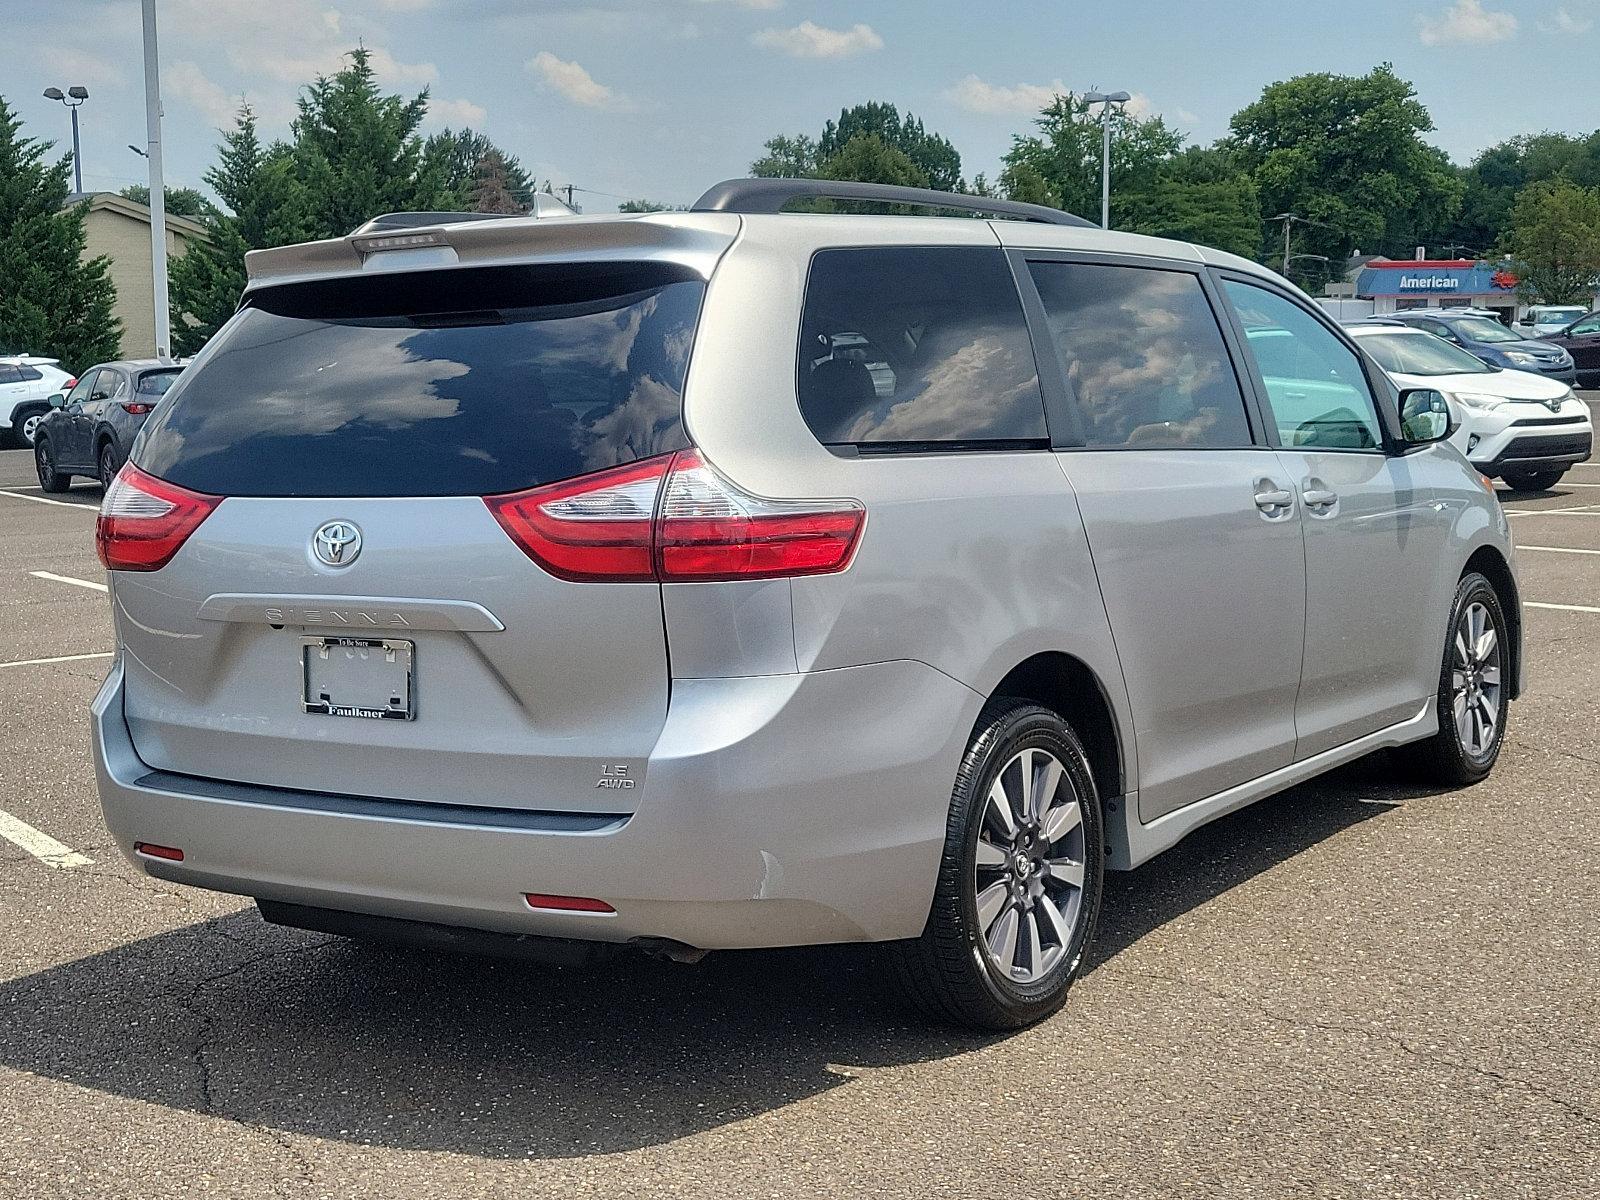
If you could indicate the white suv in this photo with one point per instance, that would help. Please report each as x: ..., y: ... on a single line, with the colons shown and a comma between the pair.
x: 26, y: 385
x: 1514, y: 425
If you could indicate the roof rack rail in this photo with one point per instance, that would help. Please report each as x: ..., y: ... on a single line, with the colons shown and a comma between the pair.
x: 770, y: 196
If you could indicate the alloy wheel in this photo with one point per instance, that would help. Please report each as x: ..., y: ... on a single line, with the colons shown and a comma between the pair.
x: 1475, y: 680
x: 1029, y: 867
x: 30, y: 426
x: 108, y: 468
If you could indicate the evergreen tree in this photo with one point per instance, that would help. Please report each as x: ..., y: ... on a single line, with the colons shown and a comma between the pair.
x: 931, y: 158
x: 51, y: 301
x: 181, y: 202
x: 455, y: 157
x: 491, y: 190
x: 358, y: 154
x: 264, y: 206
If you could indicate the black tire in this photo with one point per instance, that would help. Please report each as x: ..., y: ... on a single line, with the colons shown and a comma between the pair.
x: 44, y: 461
x: 1445, y: 758
x: 1535, y: 481
x: 950, y: 972
x: 107, y: 465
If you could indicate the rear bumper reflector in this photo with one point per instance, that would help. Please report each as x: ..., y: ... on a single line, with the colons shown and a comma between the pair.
x: 151, y: 850
x: 567, y: 903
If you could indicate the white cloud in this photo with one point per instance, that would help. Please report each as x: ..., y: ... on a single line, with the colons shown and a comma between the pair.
x: 455, y: 113
x: 576, y: 84
x: 82, y: 66
x: 1141, y: 106
x: 1467, y: 21
x: 975, y: 95
x: 1567, y: 21
x: 392, y: 71
x: 186, y: 81
x: 810, y: 40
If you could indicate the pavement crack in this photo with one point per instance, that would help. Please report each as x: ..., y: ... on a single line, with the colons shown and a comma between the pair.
x: 1368, y: 1033
x: 199, y: 1049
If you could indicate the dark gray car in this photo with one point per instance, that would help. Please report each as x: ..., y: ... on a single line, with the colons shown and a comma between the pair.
x: 1493, y: 342
x: 90, y: 429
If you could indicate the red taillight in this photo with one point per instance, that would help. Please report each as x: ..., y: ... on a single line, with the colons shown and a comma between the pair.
x: 135, y: 408
x: 144, y: 521
x: 674, y: 519
x: 71, y: 383
x: 596, y: 527
x: 151, y: 850
x: 567, y: 903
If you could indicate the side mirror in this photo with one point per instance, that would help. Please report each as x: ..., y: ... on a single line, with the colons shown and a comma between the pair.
x: 58, y: 400
x: 1424, y: 416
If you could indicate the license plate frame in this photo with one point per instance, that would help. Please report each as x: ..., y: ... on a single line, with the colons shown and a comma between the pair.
x: 372, y: 679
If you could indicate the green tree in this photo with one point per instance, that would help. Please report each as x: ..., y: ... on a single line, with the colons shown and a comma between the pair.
x: 1555, y: 242
x: 358, y: 154
x: 51, y: 301
x: 1060, y: 165
x: 645, y: 206
x: 1199, y: 196
x: 1348, y: 151
x: 491, y: 187
x: 454, y: 158
x: 264, y: 205
x: 933, y: 159
x: 181, y: 201
x: 933, y: 155
x: 1498, y: 174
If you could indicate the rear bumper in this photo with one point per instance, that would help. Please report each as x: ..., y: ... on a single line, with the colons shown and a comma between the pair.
x: 776, y: 810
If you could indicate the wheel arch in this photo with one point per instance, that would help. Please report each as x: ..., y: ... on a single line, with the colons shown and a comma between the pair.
x: 1492, y: 565
x: 1069, y: 686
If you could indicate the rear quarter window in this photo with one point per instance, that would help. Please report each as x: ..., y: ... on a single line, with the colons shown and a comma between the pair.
x: 917, y: 348
x: 464, y: 382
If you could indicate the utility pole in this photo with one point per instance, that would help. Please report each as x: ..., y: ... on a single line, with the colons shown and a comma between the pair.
x: 158, y: 184
x: 569, y: 195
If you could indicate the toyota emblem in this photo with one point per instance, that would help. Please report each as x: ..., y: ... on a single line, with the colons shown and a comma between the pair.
x: 336, y: 544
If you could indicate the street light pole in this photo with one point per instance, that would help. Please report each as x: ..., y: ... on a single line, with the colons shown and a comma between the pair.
x: 73, y: 98
x: 1107, y: 99
x: 158, y: 186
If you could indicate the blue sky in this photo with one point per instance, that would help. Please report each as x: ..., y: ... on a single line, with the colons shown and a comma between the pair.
x: 660, y: 98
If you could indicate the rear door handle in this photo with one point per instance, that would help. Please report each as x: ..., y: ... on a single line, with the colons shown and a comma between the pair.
x: 1319, y: 497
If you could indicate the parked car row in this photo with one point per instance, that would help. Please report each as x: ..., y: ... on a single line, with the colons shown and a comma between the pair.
x: 90, y: 429
x: 26, y: 384
x: 1521, y: 426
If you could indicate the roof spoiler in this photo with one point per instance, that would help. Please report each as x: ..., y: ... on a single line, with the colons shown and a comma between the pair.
x: 544, y: 205
x: 771, y: 195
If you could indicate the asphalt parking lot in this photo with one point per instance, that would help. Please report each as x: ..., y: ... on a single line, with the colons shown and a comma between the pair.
x: 1354, y: 989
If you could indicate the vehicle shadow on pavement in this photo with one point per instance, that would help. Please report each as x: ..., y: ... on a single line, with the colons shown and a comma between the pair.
x: 310, y: 1035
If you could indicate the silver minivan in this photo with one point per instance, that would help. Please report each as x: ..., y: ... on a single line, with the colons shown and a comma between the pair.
x: 741, y: 578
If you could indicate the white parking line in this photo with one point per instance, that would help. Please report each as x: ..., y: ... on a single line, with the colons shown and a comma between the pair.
x: 1561, y: 607
x: 41, y: 500
x: 1577, y: 510
x: 83, y: 583
x: 1558, y: 550
x: 41, y: 845
x: 64, y: 658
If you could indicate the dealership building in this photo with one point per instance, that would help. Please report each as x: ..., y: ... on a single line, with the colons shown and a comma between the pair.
x: 1395, y: 286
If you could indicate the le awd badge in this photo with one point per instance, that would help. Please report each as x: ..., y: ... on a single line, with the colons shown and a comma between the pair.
x: 615, y: 777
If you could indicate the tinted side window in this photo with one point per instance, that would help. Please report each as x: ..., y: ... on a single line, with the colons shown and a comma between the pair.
x: 80, y: 393
x: 1144, y: 355
x: 466, y: 382
x: 917, y: 346
x: 1315, y: 386
x: 29, y: 373
x: 10, y: 374
x: 156, y: 383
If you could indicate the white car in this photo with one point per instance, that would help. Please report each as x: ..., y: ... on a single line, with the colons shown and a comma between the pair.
x: 26, y: 385
x: 1514, y: 425
x: 1544, y: 319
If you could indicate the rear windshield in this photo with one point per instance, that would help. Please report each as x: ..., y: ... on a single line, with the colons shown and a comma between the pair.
x: 455, y: 383
x: 156, y: 383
